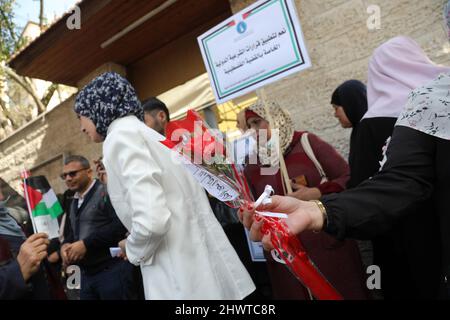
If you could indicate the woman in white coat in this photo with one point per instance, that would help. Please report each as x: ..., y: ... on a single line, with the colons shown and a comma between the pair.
x: 174, y: 236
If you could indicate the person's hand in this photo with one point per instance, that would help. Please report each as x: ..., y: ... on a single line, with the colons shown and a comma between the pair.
x: 64, y: 251
x: 246, y: 213
x: 251, y: 221
x: 102, y: 177
x: 302, y: 215
x: 54, y: 257
x: 100, y: 171
x: 304, y: 193
x: 122, y: 245
x: 31, y: 254
x: 76, y: 251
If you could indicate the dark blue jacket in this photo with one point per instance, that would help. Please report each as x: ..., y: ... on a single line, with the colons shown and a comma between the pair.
x: 12, y: 284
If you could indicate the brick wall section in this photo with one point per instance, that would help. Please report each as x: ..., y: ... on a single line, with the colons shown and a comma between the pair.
x: 55, y: 133
x: 340, y: 45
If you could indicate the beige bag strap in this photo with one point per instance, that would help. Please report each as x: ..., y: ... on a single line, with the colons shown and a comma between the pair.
x: 310, y: 153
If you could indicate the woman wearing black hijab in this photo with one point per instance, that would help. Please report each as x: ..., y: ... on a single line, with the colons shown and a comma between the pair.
x: 350, y: 103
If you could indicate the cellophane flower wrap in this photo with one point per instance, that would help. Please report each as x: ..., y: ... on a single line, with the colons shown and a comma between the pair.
x: 290, y: 249
x: 205, y: 151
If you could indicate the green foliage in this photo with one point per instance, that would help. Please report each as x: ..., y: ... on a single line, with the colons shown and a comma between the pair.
x: 19, y: 101
x: 8, y: 31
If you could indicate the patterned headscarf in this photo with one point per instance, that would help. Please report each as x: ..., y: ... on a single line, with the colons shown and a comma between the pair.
x: 428, y: 108
x: 107, y: 98
x: 281, y: 121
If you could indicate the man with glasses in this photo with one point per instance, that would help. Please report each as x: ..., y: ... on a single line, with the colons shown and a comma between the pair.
x: 91, y: 228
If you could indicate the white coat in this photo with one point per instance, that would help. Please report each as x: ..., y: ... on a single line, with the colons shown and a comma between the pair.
x: 174, y: 236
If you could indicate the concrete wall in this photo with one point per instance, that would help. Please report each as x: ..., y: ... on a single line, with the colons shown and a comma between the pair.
x: 340, y: 45
x: 39, y: 146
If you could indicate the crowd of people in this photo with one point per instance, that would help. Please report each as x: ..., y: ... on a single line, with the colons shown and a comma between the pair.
x: 171, y: 241
x: 399, y: 155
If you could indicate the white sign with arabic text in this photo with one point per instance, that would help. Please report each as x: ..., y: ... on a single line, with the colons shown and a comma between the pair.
x: 257, y: 46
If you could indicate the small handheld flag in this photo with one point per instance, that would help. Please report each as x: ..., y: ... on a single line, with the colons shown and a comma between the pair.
x: 43, y: 205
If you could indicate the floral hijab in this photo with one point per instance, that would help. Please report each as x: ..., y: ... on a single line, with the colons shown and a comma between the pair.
x: 282, y: 121
x: 107, y: 98
x: 428, y: 108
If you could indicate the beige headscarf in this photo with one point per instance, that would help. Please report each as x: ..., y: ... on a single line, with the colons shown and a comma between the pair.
x: 281, y: 121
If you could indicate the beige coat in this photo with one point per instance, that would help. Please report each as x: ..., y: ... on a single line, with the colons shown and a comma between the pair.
x: 174, y: 236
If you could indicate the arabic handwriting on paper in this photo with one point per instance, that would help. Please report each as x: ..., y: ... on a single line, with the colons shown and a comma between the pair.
x: 225, y: 195
x: 213, y: 184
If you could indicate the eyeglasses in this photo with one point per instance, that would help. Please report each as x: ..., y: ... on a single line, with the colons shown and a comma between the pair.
x: 72, y: 174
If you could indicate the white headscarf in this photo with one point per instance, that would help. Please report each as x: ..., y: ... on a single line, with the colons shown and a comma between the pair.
x: 428, y: 108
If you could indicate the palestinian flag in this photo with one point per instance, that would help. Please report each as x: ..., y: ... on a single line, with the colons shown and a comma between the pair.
x: 42, y: 199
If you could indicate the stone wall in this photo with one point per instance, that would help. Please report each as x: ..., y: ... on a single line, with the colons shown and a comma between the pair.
x: 340, y: 44
x: 40, y: 146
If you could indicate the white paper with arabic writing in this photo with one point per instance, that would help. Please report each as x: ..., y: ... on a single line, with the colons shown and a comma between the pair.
x: 215, y: 186
x: 259, y: 45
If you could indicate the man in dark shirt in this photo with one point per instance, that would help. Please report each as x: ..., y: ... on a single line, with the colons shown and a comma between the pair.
x: 91, y: 229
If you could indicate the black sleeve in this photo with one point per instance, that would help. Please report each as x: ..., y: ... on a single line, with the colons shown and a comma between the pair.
x: 68, y: 232
x: 369, y: 141
x: 53, y: 246
x: 12, y: 284
x: 375, y: 205
x: 108, y: 235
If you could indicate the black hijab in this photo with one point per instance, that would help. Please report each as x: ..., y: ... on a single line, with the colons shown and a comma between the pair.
x: 352, y: 97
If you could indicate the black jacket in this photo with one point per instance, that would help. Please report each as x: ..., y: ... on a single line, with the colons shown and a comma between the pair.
x: 97, y: 224
x: 366, y: 148
x: 417, y: 171
x: 12, y: 284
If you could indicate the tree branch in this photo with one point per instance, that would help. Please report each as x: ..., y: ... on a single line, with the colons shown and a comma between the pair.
x: 49, y: 94
x: 6, y: 113
x: 14, y: 76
